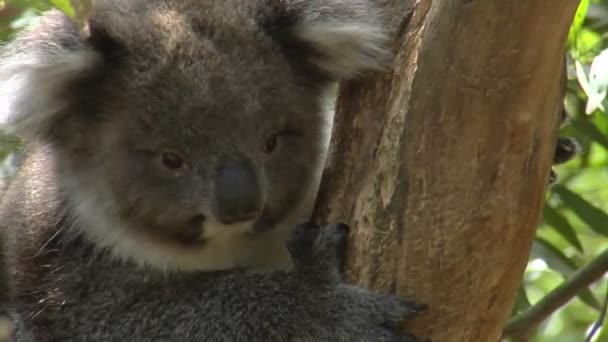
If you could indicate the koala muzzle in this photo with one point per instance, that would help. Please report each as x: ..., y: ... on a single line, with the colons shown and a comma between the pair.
x: 237, y: 194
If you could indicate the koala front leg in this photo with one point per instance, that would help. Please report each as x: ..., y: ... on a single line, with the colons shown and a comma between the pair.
x: 312, y: 303
x: 372, y: 316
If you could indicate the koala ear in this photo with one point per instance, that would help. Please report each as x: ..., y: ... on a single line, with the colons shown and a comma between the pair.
x: 345, y: 37
x: 36, y: 70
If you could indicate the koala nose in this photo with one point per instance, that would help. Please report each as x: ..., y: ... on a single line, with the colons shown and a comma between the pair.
x: 237, y: 193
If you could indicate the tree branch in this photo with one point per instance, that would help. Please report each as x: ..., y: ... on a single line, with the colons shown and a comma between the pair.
x: 600, y: 320
x: 523, y: 324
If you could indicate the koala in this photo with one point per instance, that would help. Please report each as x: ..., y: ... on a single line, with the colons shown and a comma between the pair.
x: 186, y: 155
x: 169, y: 151
x: 565, y: 150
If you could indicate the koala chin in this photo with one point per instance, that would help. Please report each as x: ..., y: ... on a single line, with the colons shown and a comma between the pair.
x: 209, y: 241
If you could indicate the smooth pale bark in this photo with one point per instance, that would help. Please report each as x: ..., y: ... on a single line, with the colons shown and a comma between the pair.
x: 440, y: 165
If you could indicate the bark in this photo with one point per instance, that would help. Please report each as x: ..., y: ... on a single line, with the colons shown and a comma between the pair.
x: 441, y: 164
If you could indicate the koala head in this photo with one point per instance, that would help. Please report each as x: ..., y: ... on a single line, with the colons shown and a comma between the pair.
x: 177, y: 124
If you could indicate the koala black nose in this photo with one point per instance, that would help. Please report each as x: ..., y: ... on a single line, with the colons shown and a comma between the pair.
x: 237, y: 194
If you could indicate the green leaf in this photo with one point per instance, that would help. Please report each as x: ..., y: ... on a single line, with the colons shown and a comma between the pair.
x: 64, y: 6
x: 594, y: 217
x: 562, y: 226
x: 553, y: 257
x: 591, y: 131
x: 577, y: 23
x: 587, y: 44
x: 587, y: 297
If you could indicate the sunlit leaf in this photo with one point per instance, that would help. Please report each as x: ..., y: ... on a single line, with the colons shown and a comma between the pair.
x: 27, y: 18
x: 587, y: 44
x: 595, y: 218
x: 562, y: 226
x: 577, y: 23
x: 64, y: 6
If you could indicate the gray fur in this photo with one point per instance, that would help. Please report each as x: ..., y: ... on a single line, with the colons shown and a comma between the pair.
x: 95, y: 226
x: 235, y: 86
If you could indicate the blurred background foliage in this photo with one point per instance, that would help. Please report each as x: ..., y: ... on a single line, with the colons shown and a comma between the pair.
x: 574, y: 229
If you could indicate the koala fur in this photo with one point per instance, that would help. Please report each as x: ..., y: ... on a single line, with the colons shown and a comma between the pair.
x: 208, y: 80
x: 565, y: 150
x: 177, y: 143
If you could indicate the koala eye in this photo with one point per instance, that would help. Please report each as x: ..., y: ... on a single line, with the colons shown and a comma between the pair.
x: 173, y: 161
x: 270, y: 143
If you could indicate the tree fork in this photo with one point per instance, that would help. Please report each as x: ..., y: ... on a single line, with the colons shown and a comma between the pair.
x: 441, y: 164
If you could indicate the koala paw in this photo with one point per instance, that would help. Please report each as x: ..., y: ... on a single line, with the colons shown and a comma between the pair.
x: 376, y: 316
x: 351, y: 312
x: 320, y: 250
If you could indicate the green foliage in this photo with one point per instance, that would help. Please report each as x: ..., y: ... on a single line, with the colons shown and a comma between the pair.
x: 577, y: 23
x: 65, y: 6
x: 18, y: 14
x: 575, y: 222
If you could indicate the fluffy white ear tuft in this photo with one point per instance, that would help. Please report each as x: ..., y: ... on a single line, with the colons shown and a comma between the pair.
x: 347, y: 37
x: 32, y: 85
x: 345, y: 50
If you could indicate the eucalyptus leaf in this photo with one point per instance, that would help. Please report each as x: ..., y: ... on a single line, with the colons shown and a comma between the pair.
x: 577, y: 23
x: 562, y: 226
x: 64, y: 6
x: 594, y: 217
x: 591, y: 131
x: 553, y: 257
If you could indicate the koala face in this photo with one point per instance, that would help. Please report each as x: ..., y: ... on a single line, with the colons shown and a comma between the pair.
x: 194, y: 134
x: 184, y: 129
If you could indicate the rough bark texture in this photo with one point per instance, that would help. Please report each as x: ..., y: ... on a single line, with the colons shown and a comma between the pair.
x: 441, y: 165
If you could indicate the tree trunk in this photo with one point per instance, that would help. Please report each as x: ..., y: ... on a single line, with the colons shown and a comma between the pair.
x: 441, y: 165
